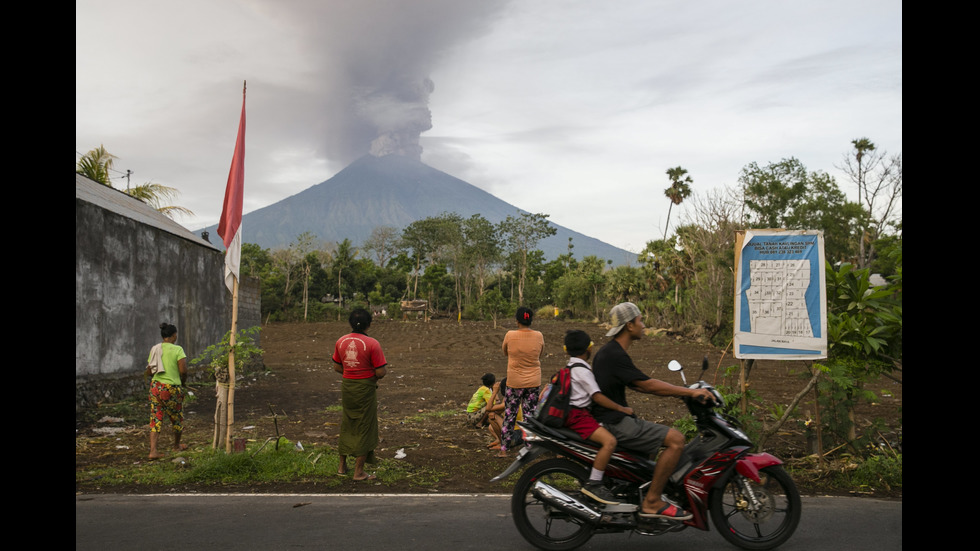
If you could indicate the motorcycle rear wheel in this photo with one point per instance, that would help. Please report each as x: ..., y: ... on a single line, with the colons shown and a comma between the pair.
x: 541, y: 524
x: 764, y: 522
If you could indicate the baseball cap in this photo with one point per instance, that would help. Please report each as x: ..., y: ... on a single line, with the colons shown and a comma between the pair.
x: 620, y: 315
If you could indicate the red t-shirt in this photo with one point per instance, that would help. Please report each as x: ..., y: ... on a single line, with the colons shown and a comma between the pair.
x: 359, y: 354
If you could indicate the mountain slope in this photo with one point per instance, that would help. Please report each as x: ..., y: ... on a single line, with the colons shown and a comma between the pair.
x: 393, y: 191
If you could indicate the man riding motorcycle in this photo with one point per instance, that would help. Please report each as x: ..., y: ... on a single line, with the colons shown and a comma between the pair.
x: 614, y: 371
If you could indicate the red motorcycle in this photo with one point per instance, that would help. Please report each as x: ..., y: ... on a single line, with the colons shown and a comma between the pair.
x: 753, y: 503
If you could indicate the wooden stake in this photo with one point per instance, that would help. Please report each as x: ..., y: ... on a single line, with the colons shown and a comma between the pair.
x: 230, y: 419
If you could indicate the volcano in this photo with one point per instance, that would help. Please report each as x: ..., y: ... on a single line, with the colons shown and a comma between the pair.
x: 394, y: 190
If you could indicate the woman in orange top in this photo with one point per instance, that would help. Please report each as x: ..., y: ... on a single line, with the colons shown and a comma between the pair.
x: 523, y: 348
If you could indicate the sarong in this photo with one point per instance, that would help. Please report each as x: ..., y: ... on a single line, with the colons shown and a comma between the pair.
x: 359, y: 425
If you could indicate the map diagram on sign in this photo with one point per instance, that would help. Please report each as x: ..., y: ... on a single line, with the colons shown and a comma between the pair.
x: 776, y: 297
x: 780, y: 295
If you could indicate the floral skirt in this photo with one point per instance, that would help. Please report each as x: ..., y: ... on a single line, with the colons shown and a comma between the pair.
x: 166, y: 400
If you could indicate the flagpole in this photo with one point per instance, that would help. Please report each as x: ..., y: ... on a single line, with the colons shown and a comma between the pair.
x: 230, y: 230
x: 230, y: 419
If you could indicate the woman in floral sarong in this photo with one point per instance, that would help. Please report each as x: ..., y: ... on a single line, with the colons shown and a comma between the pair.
x: 360, y: 360
x: 167, y: 364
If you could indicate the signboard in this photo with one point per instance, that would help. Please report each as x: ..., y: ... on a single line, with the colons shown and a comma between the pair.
x: 780, y: 295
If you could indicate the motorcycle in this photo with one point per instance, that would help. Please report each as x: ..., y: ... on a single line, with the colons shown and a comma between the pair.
x: 753, y: 502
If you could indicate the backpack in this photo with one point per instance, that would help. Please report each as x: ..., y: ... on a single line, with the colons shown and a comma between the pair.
x: 555, y: 401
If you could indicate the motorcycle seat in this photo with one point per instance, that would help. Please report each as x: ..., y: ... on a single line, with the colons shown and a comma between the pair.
x: 569, y: 434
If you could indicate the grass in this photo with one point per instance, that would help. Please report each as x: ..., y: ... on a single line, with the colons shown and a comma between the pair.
x: 260, y: 463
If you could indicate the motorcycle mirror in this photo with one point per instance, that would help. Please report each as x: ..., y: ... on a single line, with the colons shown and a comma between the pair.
x: 704, y: 365
x: 675, y: 365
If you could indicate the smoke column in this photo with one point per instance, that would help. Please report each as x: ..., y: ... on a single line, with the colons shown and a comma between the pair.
x: 371, y: 65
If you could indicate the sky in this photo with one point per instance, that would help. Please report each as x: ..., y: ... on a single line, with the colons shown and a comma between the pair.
x: 571, y: 108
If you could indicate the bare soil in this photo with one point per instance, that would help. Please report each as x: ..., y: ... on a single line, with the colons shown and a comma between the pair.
x: 434, y: 367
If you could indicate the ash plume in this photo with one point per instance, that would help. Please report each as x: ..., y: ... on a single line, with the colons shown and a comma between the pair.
x: 370, y: 73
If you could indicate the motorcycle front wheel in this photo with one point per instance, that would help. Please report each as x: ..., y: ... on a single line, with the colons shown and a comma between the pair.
x: 755, y: 515
x: 541, y: 524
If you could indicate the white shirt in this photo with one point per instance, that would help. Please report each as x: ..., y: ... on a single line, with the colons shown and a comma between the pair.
x: 583, y: 383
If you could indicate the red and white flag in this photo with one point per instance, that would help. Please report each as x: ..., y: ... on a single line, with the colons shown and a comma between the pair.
x: 230, y: 226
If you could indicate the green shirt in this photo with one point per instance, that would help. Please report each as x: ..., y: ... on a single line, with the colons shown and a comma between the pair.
x: 480, y: 397
x: 170, y: 355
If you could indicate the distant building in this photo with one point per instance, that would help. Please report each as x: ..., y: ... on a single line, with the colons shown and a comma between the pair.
x: 136, y: 268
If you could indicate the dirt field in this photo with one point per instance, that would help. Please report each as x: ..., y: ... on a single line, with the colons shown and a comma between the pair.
x: 434, y: 367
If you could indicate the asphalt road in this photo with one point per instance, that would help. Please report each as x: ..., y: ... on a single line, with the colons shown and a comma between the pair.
x: 437, y: 522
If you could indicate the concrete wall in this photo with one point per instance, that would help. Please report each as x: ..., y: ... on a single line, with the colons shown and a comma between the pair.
x: 129, y: 277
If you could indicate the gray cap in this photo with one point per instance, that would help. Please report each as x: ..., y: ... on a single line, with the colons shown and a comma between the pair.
x: 620, y: 315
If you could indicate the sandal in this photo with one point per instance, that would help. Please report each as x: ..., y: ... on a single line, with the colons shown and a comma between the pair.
x: 668, y: 511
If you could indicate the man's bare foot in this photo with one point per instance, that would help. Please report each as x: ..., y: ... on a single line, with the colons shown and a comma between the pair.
x: 156, y: 455
x: 365, y: 476
x: 180, y: 447
x: 494, y: 445
x: 342, y: 469
x: 502, y: 453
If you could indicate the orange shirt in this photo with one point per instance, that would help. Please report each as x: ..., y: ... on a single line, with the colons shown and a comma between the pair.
x: 523, y: 348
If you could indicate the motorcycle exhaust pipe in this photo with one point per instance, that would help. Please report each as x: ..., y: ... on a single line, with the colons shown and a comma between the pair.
x: 566, y: 503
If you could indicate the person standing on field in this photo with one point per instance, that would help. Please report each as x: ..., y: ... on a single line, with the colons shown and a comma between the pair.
x: 523, y: 348
x: 360, y: 360
x: 167, y: 363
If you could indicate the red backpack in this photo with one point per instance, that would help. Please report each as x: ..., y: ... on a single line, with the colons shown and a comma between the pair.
x: 556, y: 399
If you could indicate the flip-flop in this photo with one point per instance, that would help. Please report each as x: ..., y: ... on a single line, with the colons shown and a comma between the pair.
x: 668, y: 511
x: 368, y: 477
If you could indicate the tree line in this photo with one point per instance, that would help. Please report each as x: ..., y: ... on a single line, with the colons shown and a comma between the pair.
x: 470, y: 268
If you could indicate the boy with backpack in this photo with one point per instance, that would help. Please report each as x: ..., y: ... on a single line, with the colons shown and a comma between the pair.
x: 585, y: 391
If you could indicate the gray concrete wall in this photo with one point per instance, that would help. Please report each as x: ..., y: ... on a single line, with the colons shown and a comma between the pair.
x: 130, y: 277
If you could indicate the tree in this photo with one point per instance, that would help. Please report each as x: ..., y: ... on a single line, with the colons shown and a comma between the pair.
x: 95, y: 165
x: 773, y: 192
x: 383, y: 242
x: 592, y: 270
x: 421, y: 238
x: 521, y: 235
x: 878, y: 178
x: 492, y: 303
x: 305, y: 249
x: 155, y: 195
x: 482, y: 249
x: 864, y: 337
x: 343, y: 258
x: 679, y: 190
x: 284, y: 262
x: 786, y: 195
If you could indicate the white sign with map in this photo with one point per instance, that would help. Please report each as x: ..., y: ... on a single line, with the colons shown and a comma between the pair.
x: 780, y: 295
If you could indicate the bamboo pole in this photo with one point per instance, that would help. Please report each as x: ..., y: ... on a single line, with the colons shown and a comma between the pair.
x: 230, y: 419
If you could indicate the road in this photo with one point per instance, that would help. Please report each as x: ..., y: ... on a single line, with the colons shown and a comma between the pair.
x: 437, y: 522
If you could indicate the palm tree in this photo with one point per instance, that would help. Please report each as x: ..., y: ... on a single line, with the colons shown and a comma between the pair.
x: 154, y: 194
x: 861, y: 146
x: 678, y: 191
x: 96, y: 165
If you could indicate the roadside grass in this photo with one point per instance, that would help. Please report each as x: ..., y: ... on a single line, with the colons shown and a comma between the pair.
x: 260, y: 463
